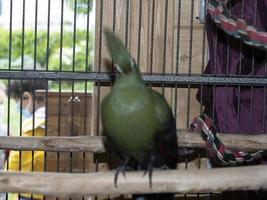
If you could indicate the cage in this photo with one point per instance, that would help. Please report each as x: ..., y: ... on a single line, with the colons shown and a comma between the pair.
x: 203, y: 56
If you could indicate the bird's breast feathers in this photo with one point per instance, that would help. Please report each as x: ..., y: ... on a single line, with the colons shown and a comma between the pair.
x: 129, y: 100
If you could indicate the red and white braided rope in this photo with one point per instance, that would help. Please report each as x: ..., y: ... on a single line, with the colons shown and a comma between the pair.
x: 216, y: 149
x: 235, y: 26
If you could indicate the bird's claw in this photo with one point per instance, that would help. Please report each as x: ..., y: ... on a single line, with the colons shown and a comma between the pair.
x: 149, y: 171
x: 121, y: 169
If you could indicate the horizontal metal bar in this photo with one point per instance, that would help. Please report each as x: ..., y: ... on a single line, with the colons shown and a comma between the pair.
x: 168, y: 79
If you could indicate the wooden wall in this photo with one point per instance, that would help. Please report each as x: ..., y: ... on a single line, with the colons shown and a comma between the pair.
x: 69, y: 114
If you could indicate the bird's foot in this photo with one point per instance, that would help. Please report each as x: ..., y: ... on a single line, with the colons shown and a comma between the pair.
x: 149, y: 170
x: 121, y: 169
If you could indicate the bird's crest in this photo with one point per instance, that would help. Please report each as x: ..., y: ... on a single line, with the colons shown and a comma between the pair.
x: 118, y: 52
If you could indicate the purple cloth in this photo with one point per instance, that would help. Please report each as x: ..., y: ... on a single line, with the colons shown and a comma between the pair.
x: 236, y: 110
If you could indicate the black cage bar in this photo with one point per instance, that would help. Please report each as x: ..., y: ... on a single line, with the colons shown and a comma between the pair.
x: 61, y: 42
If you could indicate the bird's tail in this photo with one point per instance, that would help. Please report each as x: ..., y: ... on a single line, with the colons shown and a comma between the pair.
x: 118, y: 52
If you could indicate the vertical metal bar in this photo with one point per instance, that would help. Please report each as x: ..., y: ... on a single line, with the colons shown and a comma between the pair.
x: 126, y: 23
x: 8, y: 83
x: 87, y: 35
x: 264, y: 110
x: 20, y: 129
x: 58, y: 124
x: 114, y: 16
x: 86, y: 65
x: 109, y: 155
x: 201, y: 98
x: 35, y: 34
x: 203, y: 43
x: 188, y: 104
x: 8, y: 116
x: 33, y: 120
x: 228, y: 51
x: 61, y: 35
x: 165, y: 37
x: 97, y: 84
x: 226, y: 111
x: 241, y: 43
x: 226, y: 87
x: 74, y: 36
x: 23, y: 34
x: 72, y: 133
x: 215, y: 51
x: 190, y: 62
x: 253, y: 48
x: 10, y: 35
x: 152, y: 36
x: 99, y: 67
x: 98, y: 107
x: 72, y: 102
x: 165, y: 43
x: 199, y: 166
x: 48, y: 35
x: 175, y: 111
x: 100, y: 41
x: 177, y: 60
x: 191, y: 37
x: 60, y: 83
x: 238, y: 109
x: 214, y: 101
x: 201, y: 86
x: 251, y: 109
x: 228, y: 56
x: 47, y: 68
x: 178, y: 37
x: 85, y: 121
x: 46, y: 122
x: 252, y: 71
x: 139, y: 32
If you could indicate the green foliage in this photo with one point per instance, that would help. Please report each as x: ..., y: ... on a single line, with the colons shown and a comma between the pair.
x: 52, y: 58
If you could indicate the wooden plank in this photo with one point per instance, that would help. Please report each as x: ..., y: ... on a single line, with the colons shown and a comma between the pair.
x: 94, y: 143
x: 101, y: 183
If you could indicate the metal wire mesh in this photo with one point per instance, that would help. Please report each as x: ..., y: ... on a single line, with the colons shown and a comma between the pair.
x: 167, y: 42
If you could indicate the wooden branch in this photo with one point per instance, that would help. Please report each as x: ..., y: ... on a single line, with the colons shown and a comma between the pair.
x: 57, y: 144
x: 102, y: 183
x: 95, y: 144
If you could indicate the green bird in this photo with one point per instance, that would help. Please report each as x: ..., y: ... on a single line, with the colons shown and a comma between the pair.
x: 137, y: 121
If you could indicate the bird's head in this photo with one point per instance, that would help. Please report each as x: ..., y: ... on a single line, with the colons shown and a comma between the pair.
x: 121, y: 57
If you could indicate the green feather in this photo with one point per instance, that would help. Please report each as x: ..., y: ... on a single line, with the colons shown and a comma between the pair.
x: 119, y: 54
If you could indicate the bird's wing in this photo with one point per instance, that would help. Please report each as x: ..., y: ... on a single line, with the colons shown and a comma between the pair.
x: 165, y: 138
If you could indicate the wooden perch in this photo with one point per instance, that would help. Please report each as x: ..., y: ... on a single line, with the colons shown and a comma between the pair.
x: 102, y: 183
x: 95, y: 144
x: 57, y: 144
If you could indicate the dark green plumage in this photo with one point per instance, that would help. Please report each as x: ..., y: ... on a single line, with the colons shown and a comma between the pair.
x: 137, y: 121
